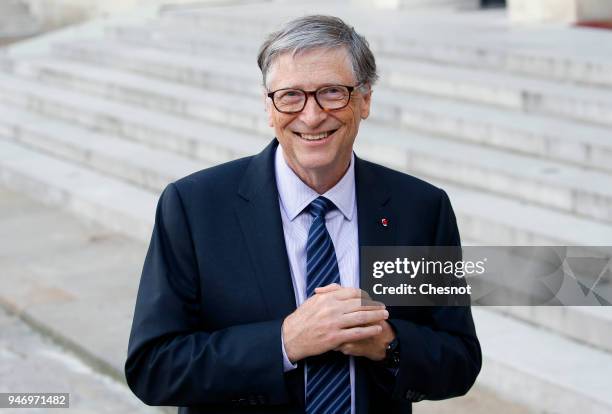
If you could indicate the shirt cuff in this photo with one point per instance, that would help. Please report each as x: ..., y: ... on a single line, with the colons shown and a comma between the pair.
x: 287, y: 365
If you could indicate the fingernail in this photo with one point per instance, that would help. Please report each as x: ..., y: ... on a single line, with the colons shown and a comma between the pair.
x: 386, y: 314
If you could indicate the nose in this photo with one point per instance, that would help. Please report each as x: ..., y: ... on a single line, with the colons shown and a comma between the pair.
x: 312, y: 114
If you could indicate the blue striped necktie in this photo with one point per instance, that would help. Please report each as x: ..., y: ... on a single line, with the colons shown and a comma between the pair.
x: 328, y: 385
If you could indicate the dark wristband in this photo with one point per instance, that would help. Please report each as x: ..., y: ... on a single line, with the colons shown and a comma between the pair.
x: 392, y: 354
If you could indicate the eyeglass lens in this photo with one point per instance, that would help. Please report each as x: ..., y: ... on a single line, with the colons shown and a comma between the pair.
x: 329, y: 97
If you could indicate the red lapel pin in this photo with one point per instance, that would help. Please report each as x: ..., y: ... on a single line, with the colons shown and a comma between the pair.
x: 384, y: 221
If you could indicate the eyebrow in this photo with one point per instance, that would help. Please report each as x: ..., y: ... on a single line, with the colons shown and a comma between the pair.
x: 320, y: 86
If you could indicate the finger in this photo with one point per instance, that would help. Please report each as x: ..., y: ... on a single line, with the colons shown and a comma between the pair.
x: 350, y: 293
x: 372, y: 304
x: 345, y: 348
x: 329, y: 288
x: 345, y: 293
x: 335, y: 286
x: 354, y: 305
x: 365, y: 295
x: 358, y: 333
x: 362, y: 318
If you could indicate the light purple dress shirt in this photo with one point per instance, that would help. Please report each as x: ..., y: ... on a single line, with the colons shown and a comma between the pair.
x: 341, y: 223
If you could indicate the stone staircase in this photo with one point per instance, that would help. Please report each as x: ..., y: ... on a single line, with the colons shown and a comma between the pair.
x: 515, y: 124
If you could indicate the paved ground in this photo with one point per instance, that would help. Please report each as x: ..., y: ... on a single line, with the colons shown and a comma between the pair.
x: 75, y: 284
x: 75, y: 281
x: 30, y: 362
x: 478, y: 401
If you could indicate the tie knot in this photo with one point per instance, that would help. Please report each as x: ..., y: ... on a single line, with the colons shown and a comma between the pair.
x: 320, y: 206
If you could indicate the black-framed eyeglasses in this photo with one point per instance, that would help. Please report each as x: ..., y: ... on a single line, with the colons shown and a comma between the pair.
x: 329, y: 98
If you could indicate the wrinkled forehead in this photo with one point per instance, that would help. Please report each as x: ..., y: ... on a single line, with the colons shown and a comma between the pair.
x: 311, y: 68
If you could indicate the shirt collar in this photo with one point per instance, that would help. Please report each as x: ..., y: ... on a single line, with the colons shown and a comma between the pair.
x: 295, y: 195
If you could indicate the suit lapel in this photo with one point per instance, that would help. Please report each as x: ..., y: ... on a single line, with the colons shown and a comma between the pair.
x: 373, y: 206
x: 259, y: 216
x: 258, y: 212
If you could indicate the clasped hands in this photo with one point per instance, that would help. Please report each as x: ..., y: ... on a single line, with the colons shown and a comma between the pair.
x: 337, y: 318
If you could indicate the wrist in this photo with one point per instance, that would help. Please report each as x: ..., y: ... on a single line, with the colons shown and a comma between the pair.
x: 392, y: 349
x: 289, y: 348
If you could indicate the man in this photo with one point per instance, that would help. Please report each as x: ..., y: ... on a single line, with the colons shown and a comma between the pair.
x: 249, y: 299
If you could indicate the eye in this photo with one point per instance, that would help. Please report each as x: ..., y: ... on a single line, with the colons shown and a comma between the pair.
x: 333, y: 92
x: 289, y: 95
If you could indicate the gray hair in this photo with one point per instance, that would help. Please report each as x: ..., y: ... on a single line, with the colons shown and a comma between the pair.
x: 319, y: 31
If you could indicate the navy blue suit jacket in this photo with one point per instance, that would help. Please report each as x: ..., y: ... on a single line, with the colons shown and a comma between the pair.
x: 216, y: 287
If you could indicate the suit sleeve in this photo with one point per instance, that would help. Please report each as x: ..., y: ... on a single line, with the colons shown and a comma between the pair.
x: 172, y: 360
x: 442, y: 358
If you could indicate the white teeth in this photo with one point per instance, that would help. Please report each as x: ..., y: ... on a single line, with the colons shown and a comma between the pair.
x: 315, y: 137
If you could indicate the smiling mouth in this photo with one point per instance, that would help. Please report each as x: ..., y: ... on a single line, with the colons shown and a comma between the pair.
x: 315, y: 137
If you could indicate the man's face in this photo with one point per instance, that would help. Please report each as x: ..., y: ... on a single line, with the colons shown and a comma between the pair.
x: 297, y: 133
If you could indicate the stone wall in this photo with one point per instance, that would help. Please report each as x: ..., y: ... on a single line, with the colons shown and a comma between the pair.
x: 420, y: 4
x: 21, y: 19
x: 55, y: 13
x: 16, y: 21
x: 51, y: 14
x: 569, y: 11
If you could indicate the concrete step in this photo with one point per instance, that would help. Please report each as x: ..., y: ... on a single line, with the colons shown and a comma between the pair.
x: 29, y: 360
x: 74, y: 283
x: 548, y: 184
x: 121, y: 207
x: 591, y: 325
x: 182, y: 136
x: 563, y: 187
x: 540, y: 369
x: 557, y: 52
x: 545, y: 137
x: 558, y: 139
x: 582, y: 103
x: 490, y: 219
x: 135, y: 163
x: 528, y: 57
x: 202, y: 71
x: 560, y: 53
x: 147, y: 92
x: 521, y: 224
x: 188, y: 39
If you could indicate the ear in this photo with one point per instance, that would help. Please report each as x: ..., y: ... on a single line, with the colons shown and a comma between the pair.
x: 366, y: 100
x: 267, y: 106
x: 270, y: 111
